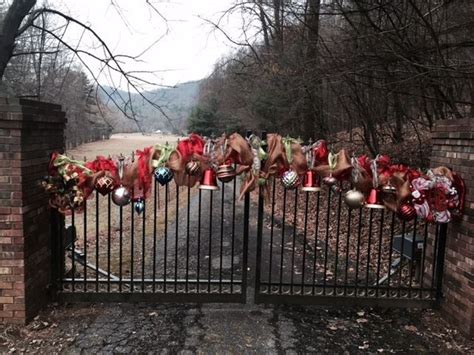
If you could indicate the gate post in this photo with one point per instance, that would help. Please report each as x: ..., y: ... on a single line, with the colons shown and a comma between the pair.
x: 29, y: 132
x: 453, y: 146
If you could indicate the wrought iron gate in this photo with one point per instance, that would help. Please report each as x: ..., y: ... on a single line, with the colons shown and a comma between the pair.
x: 313, y: 249
x: 188, y: 245
x: 191, y: 245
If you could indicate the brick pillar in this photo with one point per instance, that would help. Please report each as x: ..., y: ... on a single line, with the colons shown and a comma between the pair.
x: 453, y: 146
x: 29, y: 132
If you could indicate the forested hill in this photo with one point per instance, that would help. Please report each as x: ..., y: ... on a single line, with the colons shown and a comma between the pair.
x: 177, y: 102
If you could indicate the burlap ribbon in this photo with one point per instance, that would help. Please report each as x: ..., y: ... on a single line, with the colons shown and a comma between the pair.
x: 276, y: 163
x: 341, y: 171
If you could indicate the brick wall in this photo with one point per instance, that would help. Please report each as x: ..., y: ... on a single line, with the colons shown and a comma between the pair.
x: 453, y: 146
x: 29, y: 132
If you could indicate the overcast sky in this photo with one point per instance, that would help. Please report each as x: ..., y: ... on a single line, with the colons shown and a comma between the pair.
x: 187, y: 52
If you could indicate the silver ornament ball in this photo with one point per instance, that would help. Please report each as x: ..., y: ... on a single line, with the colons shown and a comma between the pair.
x: 290, y: 179
x: 139, y: 206
x: 329, y: 180
x: 121, y: 196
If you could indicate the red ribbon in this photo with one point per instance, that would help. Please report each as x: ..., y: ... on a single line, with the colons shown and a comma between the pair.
x: 144, y: 170
x: 194, y: 145
x: 102, y: 164
x: 52, y: 170
x: 460, y: 187
x: 364, y: 162
x: 321, y: 153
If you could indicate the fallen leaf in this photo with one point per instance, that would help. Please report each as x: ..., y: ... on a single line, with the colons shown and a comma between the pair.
x: 411, y: 328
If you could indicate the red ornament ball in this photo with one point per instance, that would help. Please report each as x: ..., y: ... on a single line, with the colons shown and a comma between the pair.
x: 406, y: 212
x: 105, y: 185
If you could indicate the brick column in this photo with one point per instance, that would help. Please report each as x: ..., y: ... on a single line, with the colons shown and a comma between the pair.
x: 29, y: 132
x: 453, y: 146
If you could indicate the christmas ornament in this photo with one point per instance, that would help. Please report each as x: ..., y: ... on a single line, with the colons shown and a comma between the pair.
x: 121, y: 196
x: 354, y: 199
x: 225, y: 172
x: 406, y: 212
x: 163, y: 175
x: 105, y: 185
x: 192, y: 167
x: 290, y: 179
x: 374, y: 199
x: 330, y: 181
x: 208, y: 181
x: 311, y: 180
x: 332, y: 161
x: 139, y: 206
x: 311, y: 183
x: 389, y: 189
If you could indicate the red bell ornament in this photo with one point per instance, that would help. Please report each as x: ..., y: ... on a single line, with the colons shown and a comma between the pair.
x: 208, y: 181
x: 406, y: 212
x: 311, y: 182
x: 374, y: 200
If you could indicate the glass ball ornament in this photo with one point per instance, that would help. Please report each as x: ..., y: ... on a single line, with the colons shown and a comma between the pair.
x: 330, y: 181
x: 290, y: 179
x: 105, y: 185
x: 389, y: 189
x: 163, y: 175
x: 192, y: 167
x: 354, y: 199
x: 225, y: 172
x: 406, y: 212
x: 121, y: 196
x: 139, y: 206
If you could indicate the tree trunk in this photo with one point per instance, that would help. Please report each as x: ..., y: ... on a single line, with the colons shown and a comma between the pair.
x: 15, y: 15
x: 315, y: 114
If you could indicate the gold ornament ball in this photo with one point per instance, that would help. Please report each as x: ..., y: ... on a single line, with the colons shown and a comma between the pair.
x: 192, y: 167
x: 354, y: 199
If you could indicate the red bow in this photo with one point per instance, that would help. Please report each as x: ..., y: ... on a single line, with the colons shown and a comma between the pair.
x: 102, y: 164
x: 52, y: 170
x: 364, y: 162
x: 190, y: 146
x: 321, y: 153
x: 144, y: 171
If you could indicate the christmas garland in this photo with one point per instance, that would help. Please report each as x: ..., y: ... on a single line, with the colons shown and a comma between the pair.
x: 435, y: 196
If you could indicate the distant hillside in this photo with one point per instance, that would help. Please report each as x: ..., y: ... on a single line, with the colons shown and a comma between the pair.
x: 177, y: 103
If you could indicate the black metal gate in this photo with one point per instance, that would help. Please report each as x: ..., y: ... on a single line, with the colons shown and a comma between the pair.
x: 188, y: 245
x: 313, y: 249
x: 192, y: 245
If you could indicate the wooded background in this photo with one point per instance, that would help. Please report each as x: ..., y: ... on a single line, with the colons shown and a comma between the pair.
x: 381, y: 70
x: 378, y: 69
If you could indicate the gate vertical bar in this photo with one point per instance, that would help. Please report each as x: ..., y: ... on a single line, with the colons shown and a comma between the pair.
x: 260, y: 226
x: 245, y: 244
